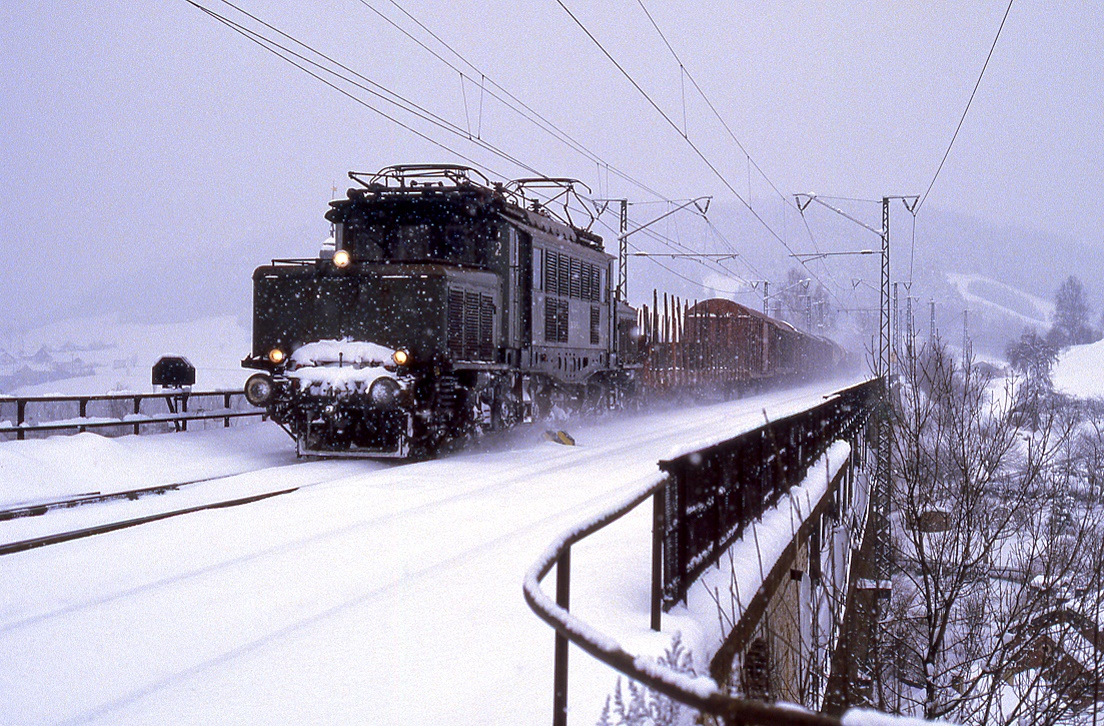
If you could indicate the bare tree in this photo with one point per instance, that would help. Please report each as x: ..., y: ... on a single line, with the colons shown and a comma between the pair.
x: 992, y: 526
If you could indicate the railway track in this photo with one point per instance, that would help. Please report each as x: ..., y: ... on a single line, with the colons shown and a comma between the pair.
x: 50, y: 539
x: 37, y: 509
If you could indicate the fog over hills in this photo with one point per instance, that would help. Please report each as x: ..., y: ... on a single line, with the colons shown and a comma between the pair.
x: 214, y: 280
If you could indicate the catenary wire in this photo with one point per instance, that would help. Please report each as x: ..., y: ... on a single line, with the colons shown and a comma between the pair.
x: 272, y: 48
x: 521, y: 108
x: 290, y: 56
x: 709, y: 102
x: 712, y: 167
x: 968, y: 103
x: 383, y: 93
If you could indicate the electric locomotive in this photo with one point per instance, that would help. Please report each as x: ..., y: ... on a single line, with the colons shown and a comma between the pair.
x: 446, y: 307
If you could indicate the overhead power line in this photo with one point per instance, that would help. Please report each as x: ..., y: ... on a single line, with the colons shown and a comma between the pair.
x: 968, y: 103
x: 505, y: 96
x: 333, y: 69
x: 350, y: 83
x: 683, y: 69
x: 701, y: 155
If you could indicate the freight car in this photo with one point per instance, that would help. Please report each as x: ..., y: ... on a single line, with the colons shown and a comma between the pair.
x: 720, y: 348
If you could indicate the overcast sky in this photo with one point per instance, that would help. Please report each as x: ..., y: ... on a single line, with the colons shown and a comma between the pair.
x: 140, y: 131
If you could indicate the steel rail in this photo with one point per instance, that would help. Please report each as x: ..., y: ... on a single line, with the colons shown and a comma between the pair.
x: 51, y: 539
x: 35, y: 509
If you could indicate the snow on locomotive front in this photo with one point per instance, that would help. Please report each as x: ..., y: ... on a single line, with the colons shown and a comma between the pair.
x: 419, y: 327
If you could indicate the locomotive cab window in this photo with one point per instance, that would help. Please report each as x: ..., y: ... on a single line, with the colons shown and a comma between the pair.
x: 420, y: 234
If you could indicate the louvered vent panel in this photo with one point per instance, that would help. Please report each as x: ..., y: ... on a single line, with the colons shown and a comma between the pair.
x: 550, y: 272
x: 456, y: 323
x: 471, y: 324
x: 486, y: 328
x: 595, y: 324
x: 562, y: 308
x: 550, y: 319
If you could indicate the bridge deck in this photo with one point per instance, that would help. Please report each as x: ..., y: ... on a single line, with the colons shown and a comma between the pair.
x: 373, y: 594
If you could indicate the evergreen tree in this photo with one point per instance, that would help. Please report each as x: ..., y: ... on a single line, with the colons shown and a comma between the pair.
x: 1033, y: 357
x: 1071, y: 315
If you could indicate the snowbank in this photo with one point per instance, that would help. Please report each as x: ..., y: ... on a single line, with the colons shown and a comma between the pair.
x: 1080, y: 371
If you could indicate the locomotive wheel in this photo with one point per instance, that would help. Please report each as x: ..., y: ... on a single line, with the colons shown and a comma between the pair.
x: 506, y: 410
x: 542, y: 403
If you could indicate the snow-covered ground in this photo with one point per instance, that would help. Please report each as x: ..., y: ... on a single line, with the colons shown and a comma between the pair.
x: 1080, y: 371
x: 998, y: 297
x: 377, y: 593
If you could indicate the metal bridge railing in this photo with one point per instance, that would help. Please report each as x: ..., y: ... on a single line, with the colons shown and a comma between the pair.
x: 715, y: 492
x: 702, y: 503
x: 123, y: 412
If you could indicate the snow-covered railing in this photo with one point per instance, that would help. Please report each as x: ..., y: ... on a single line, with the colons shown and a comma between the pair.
x: 124, y: 411
x: 715, y: 492
x: 697, y: 487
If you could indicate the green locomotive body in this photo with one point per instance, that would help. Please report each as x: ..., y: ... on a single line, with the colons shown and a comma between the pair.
x: 446, y: 307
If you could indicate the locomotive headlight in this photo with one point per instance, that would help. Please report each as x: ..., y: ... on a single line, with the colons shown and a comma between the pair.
x: 384, y: 392
x: 277, y: 356
x: 401, y: 357
x: 342, y: 258
x: 259, y: 389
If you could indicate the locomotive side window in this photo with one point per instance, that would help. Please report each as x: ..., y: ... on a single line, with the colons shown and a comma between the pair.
x: 538, y: 270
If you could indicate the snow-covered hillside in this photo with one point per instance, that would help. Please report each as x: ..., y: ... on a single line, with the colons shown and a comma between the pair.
x: 1080, y: 371
x: 1000, y: 299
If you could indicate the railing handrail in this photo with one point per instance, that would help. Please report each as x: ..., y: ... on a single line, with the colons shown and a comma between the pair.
x: 174, y: 398
x: 699, y: 692
x: 119, y: 396
x: 130, y: 420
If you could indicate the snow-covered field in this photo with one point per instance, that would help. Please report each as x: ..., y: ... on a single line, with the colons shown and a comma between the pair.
x: 377, y: 593
x: 120, y: 355
x: 1080, y: 371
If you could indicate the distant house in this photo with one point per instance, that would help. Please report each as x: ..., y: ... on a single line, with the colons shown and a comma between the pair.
x: 42, y: 357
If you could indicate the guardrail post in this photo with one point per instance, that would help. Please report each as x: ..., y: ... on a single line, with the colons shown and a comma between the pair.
x: 83, y: 414
x: 658, y: 531
x: 184, y: 410
x: 226, y: 405
x: 137, y: 410
x: 20, y: 418
x: 563, y: 599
